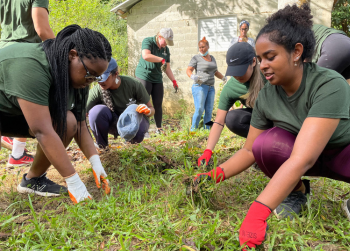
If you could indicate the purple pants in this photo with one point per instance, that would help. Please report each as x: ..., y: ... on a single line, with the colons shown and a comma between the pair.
x: 101, y: 123
x: 274, y: 146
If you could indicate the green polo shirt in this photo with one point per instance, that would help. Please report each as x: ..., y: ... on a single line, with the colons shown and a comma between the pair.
x: 25, y: 73
x: 17, y: 25
x: 130, y: 91
x: 323, y: 93
x: 321, y: 33
x: 233, y: 91
x: 148, y: 71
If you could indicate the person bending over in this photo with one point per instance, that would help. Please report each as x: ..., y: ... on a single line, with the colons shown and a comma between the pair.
x: 300, y: 123
x: 43, y: 93
x: 110, y: 98
x: 244, y: 86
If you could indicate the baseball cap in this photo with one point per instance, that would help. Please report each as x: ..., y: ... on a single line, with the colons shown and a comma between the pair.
x: 238, y: 58
x: 168, y: 35
x: 111, y: 66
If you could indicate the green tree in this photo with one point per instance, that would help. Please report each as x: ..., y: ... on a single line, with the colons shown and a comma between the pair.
x: 96, y: 15
x: 341, y: 15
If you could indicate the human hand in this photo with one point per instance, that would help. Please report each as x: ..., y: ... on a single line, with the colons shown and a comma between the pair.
x: 205, y: 157
x: 143, y: 109
x: 196, y: 79
x: 99, y: 174
x: 217, y: 174
x: 253, y: 229
x: 176, y: 87
x: 164, y: 66
x: 76, y: 189
x: 224, y: 79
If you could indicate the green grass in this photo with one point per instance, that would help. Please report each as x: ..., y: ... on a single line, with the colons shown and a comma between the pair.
x: 148, y: 208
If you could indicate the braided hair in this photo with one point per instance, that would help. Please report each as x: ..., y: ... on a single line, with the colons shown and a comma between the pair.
x: 88, y: 43
x: 290, y: 26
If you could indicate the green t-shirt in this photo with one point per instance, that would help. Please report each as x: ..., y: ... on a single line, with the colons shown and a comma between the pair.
x: 321, y: 33
x: 17, y: 24
x: 233, y: 91
x: 148, y: 71
x: 130, y: 91
x: 25, y: 73
x: 323, y: 93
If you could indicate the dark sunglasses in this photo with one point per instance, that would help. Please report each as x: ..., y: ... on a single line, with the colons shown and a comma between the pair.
x: 245, y: 29
x: 88, y: 75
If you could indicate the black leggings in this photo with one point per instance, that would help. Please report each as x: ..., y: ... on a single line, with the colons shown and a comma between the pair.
x: 335, y: 54
x: 238, y: 121
x: 156, y: 90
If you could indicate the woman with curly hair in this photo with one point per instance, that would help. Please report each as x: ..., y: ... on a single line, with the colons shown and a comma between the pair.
x: 300, y: 123
x: 43, y: 93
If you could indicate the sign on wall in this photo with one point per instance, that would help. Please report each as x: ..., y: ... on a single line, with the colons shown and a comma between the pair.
x: 219, y: 31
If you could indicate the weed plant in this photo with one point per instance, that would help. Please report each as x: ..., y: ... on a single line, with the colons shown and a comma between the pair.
x: 148, y: 208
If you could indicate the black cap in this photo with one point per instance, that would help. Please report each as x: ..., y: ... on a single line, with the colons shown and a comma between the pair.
x: 238, y: 58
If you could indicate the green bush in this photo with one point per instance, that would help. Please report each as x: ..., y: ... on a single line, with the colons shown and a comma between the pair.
x: 95, y: 15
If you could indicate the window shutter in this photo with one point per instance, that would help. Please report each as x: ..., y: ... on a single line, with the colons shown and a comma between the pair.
x: 218, y: 31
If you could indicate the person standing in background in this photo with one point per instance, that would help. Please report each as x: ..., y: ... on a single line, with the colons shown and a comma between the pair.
x: 203, y: 90
x: 155, y: 59
x: 23, y: 21
x: 243, y: 28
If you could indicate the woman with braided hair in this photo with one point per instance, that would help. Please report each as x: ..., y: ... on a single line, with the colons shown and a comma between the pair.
x: 43, y: 93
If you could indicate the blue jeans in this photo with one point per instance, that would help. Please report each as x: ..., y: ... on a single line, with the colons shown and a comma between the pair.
x: 203, y: 96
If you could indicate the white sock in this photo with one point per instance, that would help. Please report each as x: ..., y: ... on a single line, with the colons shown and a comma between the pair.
x: 77, y: 188
x: 18, y: 148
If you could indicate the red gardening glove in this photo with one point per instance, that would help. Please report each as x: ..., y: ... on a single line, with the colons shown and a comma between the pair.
x: 176, y: 87
x: 253, y: 229
x: 217, y: 174
x: 205, y: 157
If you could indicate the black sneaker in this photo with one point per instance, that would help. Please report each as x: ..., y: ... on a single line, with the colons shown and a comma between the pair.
x: 293, y: 204
x: 41, y: 186
x: 346, y: 207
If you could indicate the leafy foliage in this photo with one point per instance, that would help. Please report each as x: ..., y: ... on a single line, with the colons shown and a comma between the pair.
x: 96, y: 15
x: 341, y: 15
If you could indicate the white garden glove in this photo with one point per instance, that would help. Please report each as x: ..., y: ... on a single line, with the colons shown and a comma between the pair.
x: 143, y: 109
x: 99, y: 173
x: 76, y: 189
x: 196, y: 79
x: 224, y: 79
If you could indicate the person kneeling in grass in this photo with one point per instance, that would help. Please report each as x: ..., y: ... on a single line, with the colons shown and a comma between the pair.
x: 108, y: 100
x: 300, y: 123
x: 43, y: 93
x: 244, y: 86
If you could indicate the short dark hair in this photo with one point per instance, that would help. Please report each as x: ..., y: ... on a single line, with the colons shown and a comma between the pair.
x: 114, y: 71
x: 290, y: 26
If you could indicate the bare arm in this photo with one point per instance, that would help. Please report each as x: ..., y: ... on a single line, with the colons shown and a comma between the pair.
x: 169, y: 73
x: 219, y: 75
x: 40, y: 18
x: 244, y: 158
x: 216, y: 129
x: 189, y: 71
x: 150, y: 106
x: 39, y: 121
x: 148, y: 56
x: 84, y: 140
x: 310, y: 142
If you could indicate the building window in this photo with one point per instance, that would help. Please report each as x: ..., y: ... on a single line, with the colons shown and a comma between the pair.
x: 219, y: 31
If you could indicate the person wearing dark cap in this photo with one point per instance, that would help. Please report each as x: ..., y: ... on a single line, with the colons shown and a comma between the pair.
x: 244, y: 86
x: 203, y: 90
x: 155, y: 59
x: 243, y: 28
x: 108, y: 100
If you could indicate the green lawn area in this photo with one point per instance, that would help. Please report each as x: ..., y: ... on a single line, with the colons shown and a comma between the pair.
x: 148, y: 208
